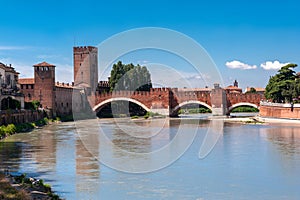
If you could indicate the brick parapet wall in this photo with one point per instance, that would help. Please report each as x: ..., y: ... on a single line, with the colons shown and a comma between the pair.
x: 286, y: 111
x: 233, y: 98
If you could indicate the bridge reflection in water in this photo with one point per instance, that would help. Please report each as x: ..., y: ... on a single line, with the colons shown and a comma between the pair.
x: 71, y: 160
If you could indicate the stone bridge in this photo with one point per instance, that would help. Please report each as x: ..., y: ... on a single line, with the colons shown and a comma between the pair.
x: 168, y: 101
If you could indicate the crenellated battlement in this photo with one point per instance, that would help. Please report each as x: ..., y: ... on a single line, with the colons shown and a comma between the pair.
x: 165, y: 100
x: 84, y: 49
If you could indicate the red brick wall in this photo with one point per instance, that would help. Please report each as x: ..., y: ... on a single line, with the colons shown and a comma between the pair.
x: 156, y: 98
x: 254, y: 98
x: 44, y: 87
x: 178, y: 97
x: 279, y: 112
x: 86, y: 66
x: 28, y: 91
x: 63, y: 101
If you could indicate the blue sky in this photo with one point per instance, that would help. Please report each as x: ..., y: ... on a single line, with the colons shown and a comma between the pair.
x: 243, y: 34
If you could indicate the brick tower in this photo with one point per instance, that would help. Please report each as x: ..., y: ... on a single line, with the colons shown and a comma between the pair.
x: 86, y: 67
x: 44, y: 83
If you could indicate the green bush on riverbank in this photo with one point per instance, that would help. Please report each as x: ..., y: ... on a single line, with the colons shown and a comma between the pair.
x: 24, y: 127
x: 194, y: 110
x: 244, y: 109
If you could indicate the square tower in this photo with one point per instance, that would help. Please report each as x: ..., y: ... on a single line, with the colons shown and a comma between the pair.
x: 86, y: 67
x: 44, y: 84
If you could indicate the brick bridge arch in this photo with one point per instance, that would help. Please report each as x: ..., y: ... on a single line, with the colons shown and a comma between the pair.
x: 175, y: 110
x: 167, y: 101
x: 242, y: 104
x: 100, y: 105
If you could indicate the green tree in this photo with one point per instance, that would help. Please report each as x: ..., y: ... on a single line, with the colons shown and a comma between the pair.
x: 284, y: 86
x: 252, y: 90
x: 129, y: 77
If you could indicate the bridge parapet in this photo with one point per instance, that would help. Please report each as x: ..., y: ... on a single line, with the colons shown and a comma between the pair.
x: 166, y: 100
x: 253, y: 98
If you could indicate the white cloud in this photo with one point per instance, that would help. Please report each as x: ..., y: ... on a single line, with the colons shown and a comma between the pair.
x: 12, y: 47
x: 235, y: 64
x: 269, y: 65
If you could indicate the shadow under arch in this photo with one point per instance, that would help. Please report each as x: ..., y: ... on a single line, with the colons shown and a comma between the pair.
x: 175, y: 110
x: 101, y: 105
x: 241, y: 104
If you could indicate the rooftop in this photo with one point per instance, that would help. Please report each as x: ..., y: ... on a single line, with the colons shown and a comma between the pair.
x: 8, y: 68
x: 44, y: 64
x: 26, y: 81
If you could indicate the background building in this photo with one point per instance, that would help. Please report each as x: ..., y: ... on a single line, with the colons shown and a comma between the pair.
x: 53, y: 96
x: 57, y: 97
x: 9, y: 88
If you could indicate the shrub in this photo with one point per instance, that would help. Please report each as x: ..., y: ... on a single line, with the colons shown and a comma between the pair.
x: 245, y: 109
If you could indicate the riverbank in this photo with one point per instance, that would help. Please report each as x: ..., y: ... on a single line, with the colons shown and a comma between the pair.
x: 11, y: 129
x: 21, y: 187
x: 255, y: 120
x: 7, y: 191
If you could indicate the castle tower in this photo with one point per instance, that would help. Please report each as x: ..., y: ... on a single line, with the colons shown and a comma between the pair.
x: 86, y: 67
x: 44, y: 83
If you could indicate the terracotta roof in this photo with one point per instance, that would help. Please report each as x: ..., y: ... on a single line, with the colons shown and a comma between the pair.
x: 230, y: 87
x: 257, y: 89
x: 44, y: 64
x: 26, y: 81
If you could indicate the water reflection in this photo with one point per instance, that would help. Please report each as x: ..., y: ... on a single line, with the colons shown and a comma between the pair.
x: 43, y: 150
x: 247, y: 158
x: 285, y: 138
x: 10, y: 154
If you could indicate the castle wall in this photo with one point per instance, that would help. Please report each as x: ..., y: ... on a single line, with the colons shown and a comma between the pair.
x: 63, y: 101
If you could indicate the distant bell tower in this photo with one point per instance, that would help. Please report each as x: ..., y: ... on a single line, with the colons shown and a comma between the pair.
x: 44, y: 83
x: 86, y: 67
x: 235, y: 83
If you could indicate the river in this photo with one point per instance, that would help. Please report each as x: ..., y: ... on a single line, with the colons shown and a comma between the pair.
x: 247, y: 162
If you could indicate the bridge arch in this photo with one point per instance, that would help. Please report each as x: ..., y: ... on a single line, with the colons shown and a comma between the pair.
x: 103, y: 103
x: 242, y: 104
x: 175, y: 110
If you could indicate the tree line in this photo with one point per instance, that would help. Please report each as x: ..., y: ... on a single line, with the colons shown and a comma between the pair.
x: 129, y: 77
x: 284, y: 87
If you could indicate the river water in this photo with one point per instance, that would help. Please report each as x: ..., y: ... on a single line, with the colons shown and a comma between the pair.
x: 247, y: 162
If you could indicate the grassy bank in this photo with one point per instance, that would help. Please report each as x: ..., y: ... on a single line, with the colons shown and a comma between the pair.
x: 11, y: 129
x: 194, y: 110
